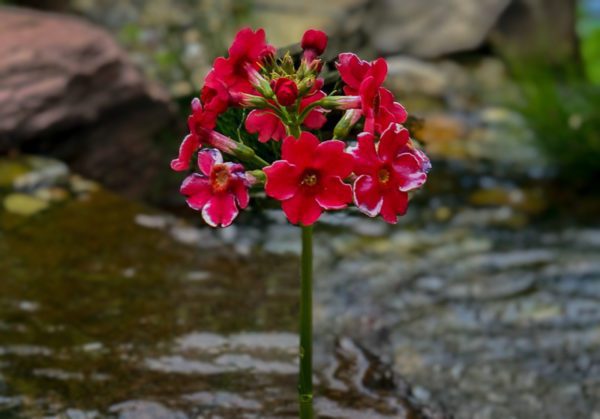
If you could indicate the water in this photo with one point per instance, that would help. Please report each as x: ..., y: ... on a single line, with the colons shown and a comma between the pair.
x: 107, y: 310
x: 470, y: 306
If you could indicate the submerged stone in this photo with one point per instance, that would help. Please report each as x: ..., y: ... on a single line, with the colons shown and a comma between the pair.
x: 22, y: 204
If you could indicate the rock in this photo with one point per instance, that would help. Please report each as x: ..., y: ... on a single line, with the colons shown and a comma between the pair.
x: 42, y: 172
x: 142, y: 409
x: 408, y: 75
x: 544, y: 29
x: 443, y: 135
x: 530, y: 201
x: 286, y: 20
x: 434, y: 28
x: 69, y: 90
x: 22, y: 204
x: 11, y: 169
x: 26, y: 173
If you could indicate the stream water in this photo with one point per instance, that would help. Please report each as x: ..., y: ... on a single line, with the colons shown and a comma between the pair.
x: 113, y: 309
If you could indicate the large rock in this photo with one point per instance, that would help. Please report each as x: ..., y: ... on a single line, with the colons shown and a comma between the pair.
x: 68, y: 89
x: 434, y: 28
x: 544, y: 29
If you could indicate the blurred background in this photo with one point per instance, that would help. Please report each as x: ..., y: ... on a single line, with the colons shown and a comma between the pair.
x: 116, y: 301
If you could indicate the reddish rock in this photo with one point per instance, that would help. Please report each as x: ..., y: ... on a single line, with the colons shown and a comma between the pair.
x: 68, y: 89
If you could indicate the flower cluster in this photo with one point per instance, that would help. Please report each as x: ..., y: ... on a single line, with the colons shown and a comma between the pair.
x: 370, y: 161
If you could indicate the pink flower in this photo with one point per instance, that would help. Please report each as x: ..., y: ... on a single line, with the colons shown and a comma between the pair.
x: 249, y: 49
x: 316, y: 117
x: 378, y: 106
x: 354, y: 71
x: 313, y: 43
x: 268, y: 125
x: 201, y: 121
x: 285, y: 90
x: 386, y: 173
x: 310, y: 178
x: 218, y: 191
x: 249, y: 46
x: 217, y: 96
x: 365, y: 79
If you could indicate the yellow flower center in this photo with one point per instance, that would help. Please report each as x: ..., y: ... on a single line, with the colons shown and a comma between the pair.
x: 220, y: 177
x: 383, y: 175
x: 310, y: 178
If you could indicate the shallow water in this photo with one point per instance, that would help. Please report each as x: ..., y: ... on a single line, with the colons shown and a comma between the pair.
x: 110, y: 308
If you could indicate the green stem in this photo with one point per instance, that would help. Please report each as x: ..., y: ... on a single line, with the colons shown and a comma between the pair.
x: 246, y: 153
x: 305, y: 388
x: 294, y: 130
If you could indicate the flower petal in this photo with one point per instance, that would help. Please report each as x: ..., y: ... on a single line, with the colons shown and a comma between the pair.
x: 300, y: 152
x: 369, y: 90
x: 396, y: 109
x: 266, y: 124
x: 220, y: 210
x: 207, y: 158
x: 352, y: 71
x: 240, y: 190
x: 393, y: 139
x: 187, y: 148
x: 395, y: 203
x: 378, y: 70
x: 366, y: 159
x: 302, y: 209
x: 335, y: 193
x: 367, y: 197
x: 198, y: 190
x: 282, y: 179
x: 408, y: 171
x: 331, y: 159
x: 315, y: 118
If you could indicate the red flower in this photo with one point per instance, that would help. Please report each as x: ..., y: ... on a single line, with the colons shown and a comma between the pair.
x: 365, y: 79
x: 248, y: 49
x: 218, y: 191
x: 250, y: 46
x: 386, y: 173
x: 268, y: 125
x: 217, y: 96
x: 201, y: 121
x: 309, y: 178
x: 354, y: 71
x: 378, y: 106
x: 316, y: 117
x: 313, y: 43
x: 285, y: 90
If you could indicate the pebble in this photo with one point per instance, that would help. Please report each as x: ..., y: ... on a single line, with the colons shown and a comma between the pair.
x: 22, y: 204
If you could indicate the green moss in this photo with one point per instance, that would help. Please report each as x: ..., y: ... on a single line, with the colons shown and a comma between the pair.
x: 11, y: 169
x: 96, y: 276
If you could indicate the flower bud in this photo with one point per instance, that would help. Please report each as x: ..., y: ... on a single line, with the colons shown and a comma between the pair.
x: 252, y: 101
x: 341, y: 102
x: 256, y: 177
x: 346, y: 123
x: 259, y: 82
x: 313, y: 43
x: 285, y: 90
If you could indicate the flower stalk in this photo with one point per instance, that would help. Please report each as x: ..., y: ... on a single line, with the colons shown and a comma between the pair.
x: 305, y: 387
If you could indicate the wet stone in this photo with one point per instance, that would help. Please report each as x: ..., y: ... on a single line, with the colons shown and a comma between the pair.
x: 140, y: 409
x: 22, y: 204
